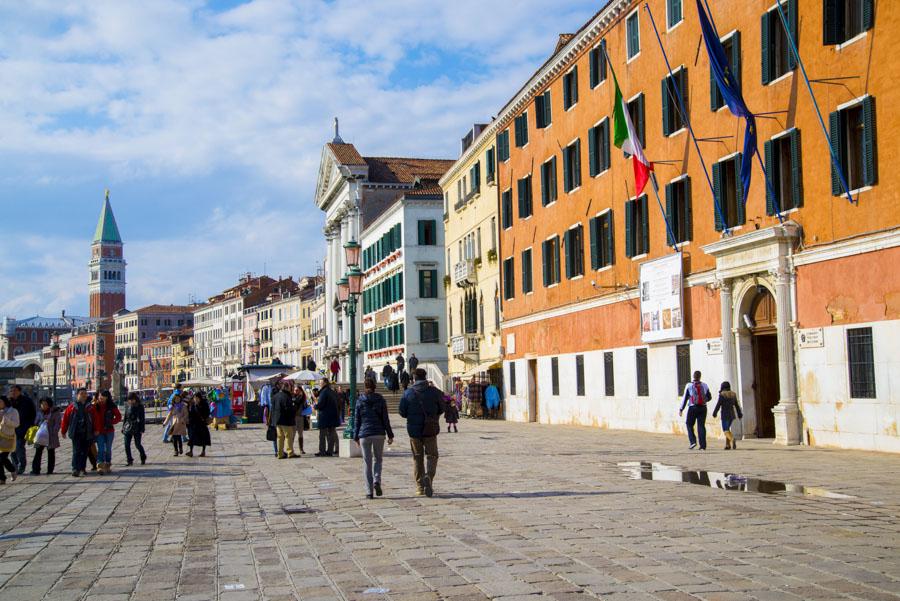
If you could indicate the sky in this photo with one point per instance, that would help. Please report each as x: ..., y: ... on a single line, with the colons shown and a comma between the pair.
x: 206, y: 121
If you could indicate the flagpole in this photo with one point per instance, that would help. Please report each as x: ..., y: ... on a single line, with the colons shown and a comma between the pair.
x: 790, y: 38
x: 655, y: 185
x: 687, y: 123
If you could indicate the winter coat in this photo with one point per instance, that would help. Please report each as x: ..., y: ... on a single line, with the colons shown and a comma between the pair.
x: 178, y: 417
x: 106, y: 416
x: 328, y: 408
x: 27, y: 412
x: 371, y: 417
x: 432, y: 406
x: 53, y: 419
x: 9, y: 421
x: 401, y: 362
x: 404, y: 379
x: 78, y: 422
x: 284, y: 412
x: 728, y: 403
x: 451, y: 413
x: 198, y: 416
x: 413, y: 364
x: 134, y: 419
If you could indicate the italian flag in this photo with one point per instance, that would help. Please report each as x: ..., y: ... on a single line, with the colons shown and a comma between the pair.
x: 626, y: 138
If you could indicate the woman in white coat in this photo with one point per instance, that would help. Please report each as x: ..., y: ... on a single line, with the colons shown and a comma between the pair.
x: 9, y: 421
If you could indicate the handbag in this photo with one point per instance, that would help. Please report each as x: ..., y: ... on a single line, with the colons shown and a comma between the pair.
x: 42, y: 436
x: 29, y: 435
x: 271, y: 434
x: 432, y: 425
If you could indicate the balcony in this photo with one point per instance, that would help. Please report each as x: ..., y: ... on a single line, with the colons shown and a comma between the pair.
x: 466, y: 344
x: 464, y: 273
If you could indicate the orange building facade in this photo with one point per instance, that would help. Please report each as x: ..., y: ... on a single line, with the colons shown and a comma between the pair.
x: 800, y: 315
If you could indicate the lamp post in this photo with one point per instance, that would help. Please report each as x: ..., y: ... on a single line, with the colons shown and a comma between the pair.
x: 349, y: 288
x: 54, y: 352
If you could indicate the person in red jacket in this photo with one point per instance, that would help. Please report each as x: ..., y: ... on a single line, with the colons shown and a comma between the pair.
x: 106, y: 416
x: 78, y: 425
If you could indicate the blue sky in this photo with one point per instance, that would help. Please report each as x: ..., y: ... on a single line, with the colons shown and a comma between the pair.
x: 206, y: 121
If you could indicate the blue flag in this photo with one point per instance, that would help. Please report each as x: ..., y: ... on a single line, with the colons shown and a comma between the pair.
x: 731, y: 92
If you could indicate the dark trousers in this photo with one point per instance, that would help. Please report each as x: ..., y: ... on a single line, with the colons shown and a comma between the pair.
x: 21, y: 460
x: 176, y: 442
x: 328, y: 440
x: 79, y: 455
x: 36, y: 462
x: 136, y: 437
x: 5, y: 463
x: 425, y: 459
x: 697, y: 413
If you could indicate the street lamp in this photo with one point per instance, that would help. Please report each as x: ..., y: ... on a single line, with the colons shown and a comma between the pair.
x: 350, y: 287
x: 54, y: 352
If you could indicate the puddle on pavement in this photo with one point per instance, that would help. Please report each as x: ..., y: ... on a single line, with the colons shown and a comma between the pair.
x: 648, y: 470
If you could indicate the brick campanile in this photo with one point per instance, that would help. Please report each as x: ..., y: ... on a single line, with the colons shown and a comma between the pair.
x: 107, y: 266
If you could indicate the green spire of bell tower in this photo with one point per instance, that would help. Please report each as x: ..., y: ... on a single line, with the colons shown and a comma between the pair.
x: 107, y: 230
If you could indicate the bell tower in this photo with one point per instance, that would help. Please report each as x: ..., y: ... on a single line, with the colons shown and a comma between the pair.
x: 107, y: 266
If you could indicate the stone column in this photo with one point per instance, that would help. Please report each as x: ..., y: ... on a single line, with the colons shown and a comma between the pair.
x: 788, y: 427
x: 729, y: 356
x: 330, y: 321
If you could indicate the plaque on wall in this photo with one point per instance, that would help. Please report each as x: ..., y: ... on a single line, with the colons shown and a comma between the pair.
x: 811, y: 338
x: 714, y: 346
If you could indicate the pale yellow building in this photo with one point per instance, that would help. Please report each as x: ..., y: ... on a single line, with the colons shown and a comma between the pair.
x: 470, y: 190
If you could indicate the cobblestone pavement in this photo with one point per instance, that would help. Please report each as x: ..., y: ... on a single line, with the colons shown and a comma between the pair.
x: 521, y: 511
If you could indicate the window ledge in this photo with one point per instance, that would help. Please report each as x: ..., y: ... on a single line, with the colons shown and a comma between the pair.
x: 640, y: 256
x: 577, y: 277
x: 604, y: 268
x: 633, y: 57
x: 553, y: 285
x: 674, y: 27
x: 851, y: 41
x: 601, y: 173
x: 550, y: 204
x: 781, y: 78
x: 571, y: 106
x: 678, y: 132
x: 573, y: 190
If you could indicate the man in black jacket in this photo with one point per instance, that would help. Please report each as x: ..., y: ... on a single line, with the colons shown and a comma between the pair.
x: 27, y: 412
x: 422, y: 406
x: 284, y: 418
x: 329, y: 420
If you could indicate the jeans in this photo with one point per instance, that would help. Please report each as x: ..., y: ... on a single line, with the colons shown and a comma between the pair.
x: 136, y: 436
x: 422, y: 448
x: 697, y: 413
x: 726, y: 423
x: 104, y: 447
x: 79, y: 455
x: 6, y: 463
x: 285, y: 440
x: 328, y: 440
x: 36, y: 462
x: 372, y: 448
x: 20, y: 459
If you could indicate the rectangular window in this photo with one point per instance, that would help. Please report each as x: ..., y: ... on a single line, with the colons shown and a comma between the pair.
x: 852, y: 132
x: 729, y: 191
x: 428, y: 283
x: 672, y: 118
x: 632, y: 31
x: 512, y: 378
x: 503, y: 146
x: 525, y: 204
x: 601, y: 232
x: 427, y: 232
x: 598, y: 148
x: 682, y: 366
x: 543, y: 115
x: 777, y: 57
x: 637, y: 228
x: 475, y: 177
x: 527, y: 285
x: 550, y: 254
x: 509, y: 279
x: 548, y: 182
x: 554, y: 375
x: 521, y: 125
x: 598, y: 64
x: 572, y: 166
x: 861, y: 362
x: 574, y: 242
x: 678, y: 211
x: 643, y: 384
x: 732, y: 45
x: 846, y: 19
x: 636, y: 112
x: 579, y: 375
x: 490, y: 165
x: 783, y: 168
x: 609, y: 375
x: 506, y: 207
x: 673, y: 12
x: 570, y: 88
x: 428, y: 331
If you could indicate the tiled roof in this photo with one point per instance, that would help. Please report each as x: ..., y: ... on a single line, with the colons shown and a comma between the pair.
x: 394, y: 170
x: 346, y: 154
x: 428, y: 188
x: 166, y: 309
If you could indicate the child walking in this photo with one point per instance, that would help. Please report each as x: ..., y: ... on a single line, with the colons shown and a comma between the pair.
x: 178, y: 419
x: 451, y: 413
x: 728, y: 403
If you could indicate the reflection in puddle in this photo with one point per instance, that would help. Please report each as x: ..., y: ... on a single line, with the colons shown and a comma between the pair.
x: 646, y: 470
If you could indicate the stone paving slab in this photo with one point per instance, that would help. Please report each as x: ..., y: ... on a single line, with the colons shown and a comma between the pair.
x: 521, y: 511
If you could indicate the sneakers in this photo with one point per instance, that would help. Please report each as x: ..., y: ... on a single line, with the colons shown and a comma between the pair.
x: 429, y: 491
x: 693, y: 446
x: 75, y: 473
x: 378, y: 489
x: 420, y: 493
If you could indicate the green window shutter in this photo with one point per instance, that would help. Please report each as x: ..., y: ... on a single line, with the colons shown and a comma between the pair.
x: 604, y: 140
x: 736, y: 57
x: 629, y: 228
x: 545, y: 186
x: 545, y: 265
x: 434, y: 284
x: 567, y: 241
x: 645, y: 224
x: 421, y: 284
x: 575, y: 84
x: 688, y: 210
x: 717, y: 197
x: 833, y: 22
x: 870, y: 159
x: 715, y: 97
x: 770, y: 169
x: 835, y: 133
x: 555, y: 244
x: 666, y: 108
x: 766, y: 34
x: 868, y: 14
x: 603, y: 60
x: 739, y: 190
x: 641, y: 121
x: 567, y: 174
x: 594, y: 68
x: 792, y: 19
x: 400, y: 286
x: 594, y: 226
x: 796, y: 170
x: 610, y: 238
x: 670, y: 213
x: 399, y: 235
x: 593, y: 165
x: 553, y: 189
x: 548, y: 114
x: 577, y: 162
x: 683, y: 88
x: 520, y: 189
x: 421, y: 233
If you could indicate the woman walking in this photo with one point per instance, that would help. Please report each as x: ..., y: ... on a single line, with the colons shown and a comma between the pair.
x: 728, y: 403
x: 9, y: 421
x: 49, y: 419
x: 198, y: 425
x: 177, y: 418
x: 371, y: 425
x: 133, y: 427
x: 106, y: 416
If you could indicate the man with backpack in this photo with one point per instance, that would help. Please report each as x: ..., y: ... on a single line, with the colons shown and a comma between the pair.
x: 696, y: 396
x: 78, y: 425
x: 422, y: 406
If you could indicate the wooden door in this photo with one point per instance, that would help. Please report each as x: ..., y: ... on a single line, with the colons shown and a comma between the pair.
x: 532, y: 391
x: 766, y: 387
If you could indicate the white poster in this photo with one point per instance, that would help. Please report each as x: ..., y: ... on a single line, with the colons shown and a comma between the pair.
x: 662, y: 317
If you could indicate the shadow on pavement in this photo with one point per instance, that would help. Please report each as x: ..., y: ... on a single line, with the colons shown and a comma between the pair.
x: 527, y: 495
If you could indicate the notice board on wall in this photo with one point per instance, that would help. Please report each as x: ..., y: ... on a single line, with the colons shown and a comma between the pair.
x: 662, y: 314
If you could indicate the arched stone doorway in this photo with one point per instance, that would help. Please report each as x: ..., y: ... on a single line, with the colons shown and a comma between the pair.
x: 760, y: 322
